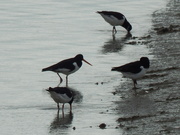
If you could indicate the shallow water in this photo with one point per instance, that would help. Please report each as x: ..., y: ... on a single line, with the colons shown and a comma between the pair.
x: 36, y: 34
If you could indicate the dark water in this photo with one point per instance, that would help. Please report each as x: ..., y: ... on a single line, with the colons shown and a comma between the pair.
x: 35, y: 34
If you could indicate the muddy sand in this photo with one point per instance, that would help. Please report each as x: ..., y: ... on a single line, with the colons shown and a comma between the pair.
x: 155, y: 108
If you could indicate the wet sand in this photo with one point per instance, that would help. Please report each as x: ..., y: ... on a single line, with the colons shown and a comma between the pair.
x: 155, y: 108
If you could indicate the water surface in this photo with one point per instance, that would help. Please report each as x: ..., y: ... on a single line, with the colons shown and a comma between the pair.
x: 36, y: 34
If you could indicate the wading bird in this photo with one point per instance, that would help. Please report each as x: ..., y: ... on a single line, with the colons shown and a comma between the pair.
x: 134, y: 70
x: 115, y: 19
x: 61, y: 95
x: 67, y: 66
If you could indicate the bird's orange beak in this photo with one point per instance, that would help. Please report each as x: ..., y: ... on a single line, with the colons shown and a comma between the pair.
x: 87, y: 62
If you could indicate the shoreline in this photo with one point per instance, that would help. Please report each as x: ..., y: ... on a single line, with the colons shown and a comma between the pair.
x: 156, y: 107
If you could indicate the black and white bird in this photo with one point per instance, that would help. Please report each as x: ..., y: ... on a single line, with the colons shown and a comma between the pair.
x: 67, y: 66
x: 134, y: 70
x: 61, y: 95
x: 115, y: 19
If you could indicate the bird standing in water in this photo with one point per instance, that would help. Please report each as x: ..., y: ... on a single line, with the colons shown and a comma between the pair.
x: 67, y: 66
x: 134, y: 70
x: 115, y: 19
x: 61, y: 95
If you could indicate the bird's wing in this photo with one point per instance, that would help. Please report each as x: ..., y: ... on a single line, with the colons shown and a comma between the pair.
x: 133, y: 67
x: 118, y: 16
x: 63, y: 90
x: 64, y: 98
x: 64, y: 65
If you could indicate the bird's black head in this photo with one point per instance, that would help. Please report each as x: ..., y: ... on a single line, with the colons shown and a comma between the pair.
x: 70, y: 102
x: 79, y: 57
x: 145, y: 62
x: 127, y: 26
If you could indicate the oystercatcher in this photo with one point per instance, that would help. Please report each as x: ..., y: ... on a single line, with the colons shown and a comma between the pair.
x: 61, y: 95
x: 134, y: 70
x: 115, y: 19
x: 67, y: 66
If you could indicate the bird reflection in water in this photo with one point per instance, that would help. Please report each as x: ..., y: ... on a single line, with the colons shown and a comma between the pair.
x: 115, y: 45
x: 61, y: 123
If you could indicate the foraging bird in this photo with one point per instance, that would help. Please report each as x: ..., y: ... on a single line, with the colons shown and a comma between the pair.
x: 61, y: 95
x: 115, y: 19
x: 134, y: 70
x: 67, y: 66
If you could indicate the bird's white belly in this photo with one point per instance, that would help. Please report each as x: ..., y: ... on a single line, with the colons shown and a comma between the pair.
x: 76, y: 68
x: 68, y: 71
x: 135, y: 76
x: 113, y: 20
x: 60, y: 98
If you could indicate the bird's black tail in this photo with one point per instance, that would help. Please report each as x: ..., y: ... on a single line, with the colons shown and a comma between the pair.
x: 46, y: 69
x: 49, y: 89
x: 114, y: 69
